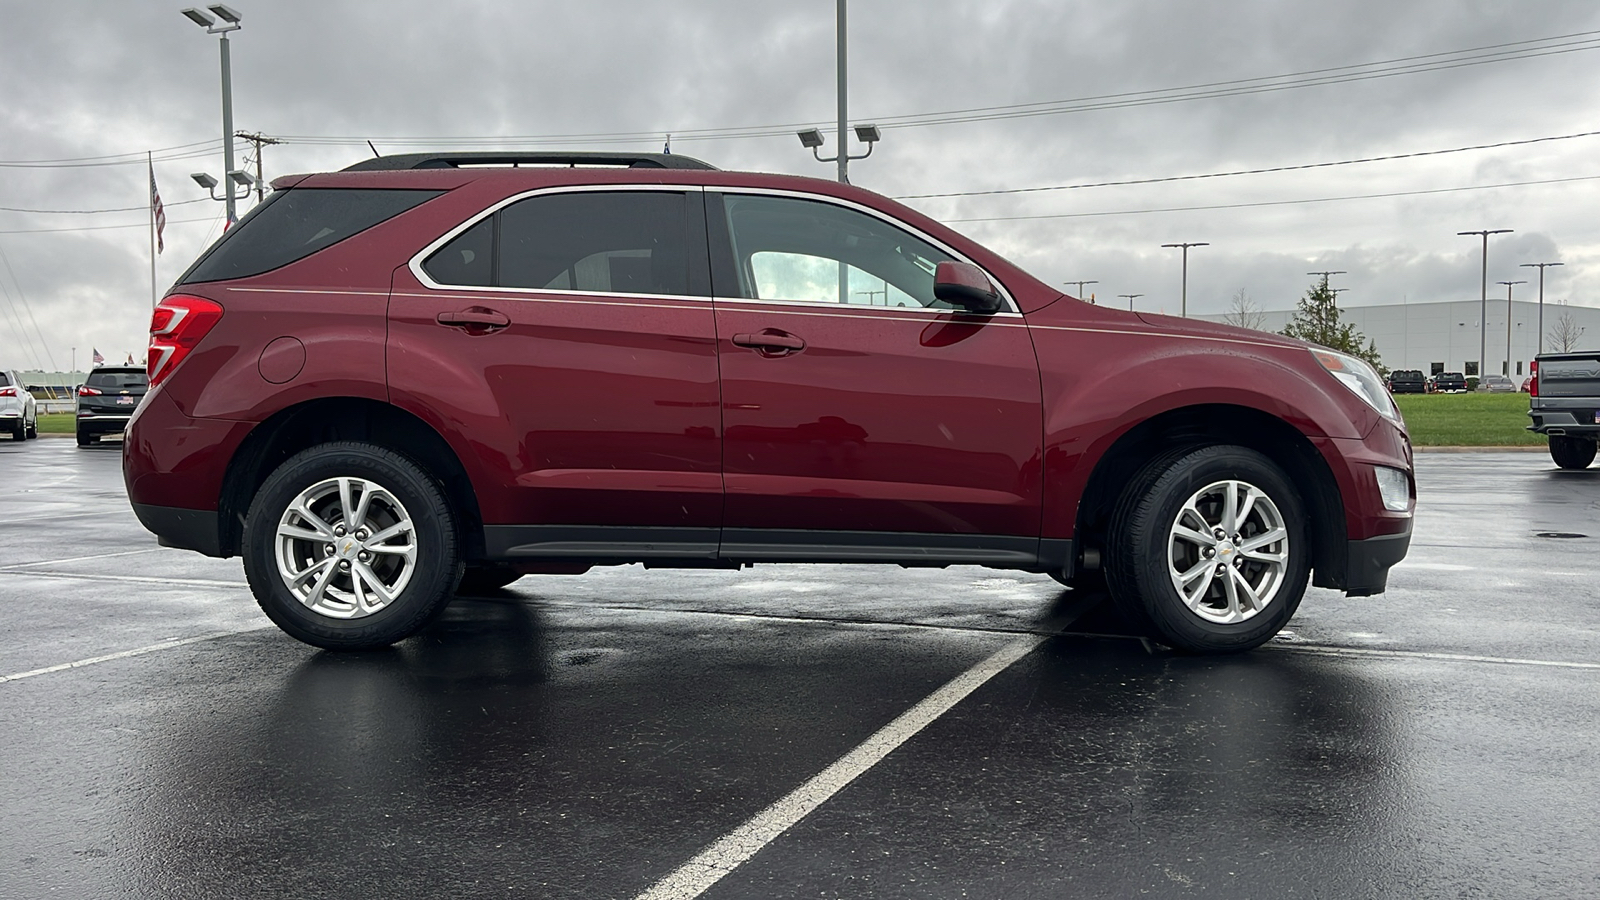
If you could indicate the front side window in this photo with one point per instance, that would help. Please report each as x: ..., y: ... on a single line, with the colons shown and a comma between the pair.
x: 793, y: 249
x: 616, y: 242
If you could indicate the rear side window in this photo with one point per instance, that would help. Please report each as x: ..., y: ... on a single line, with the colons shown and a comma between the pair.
x: 622, y: 242
x: 4, y: 381
x: 294, y: 224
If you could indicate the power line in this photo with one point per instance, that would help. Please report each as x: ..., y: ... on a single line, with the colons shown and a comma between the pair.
x: 28, y: 307
x: 1170, y: 209
x: 1260, y: 171
x: 165, y: 154
x: 97, y: 227
x: 85, y: 212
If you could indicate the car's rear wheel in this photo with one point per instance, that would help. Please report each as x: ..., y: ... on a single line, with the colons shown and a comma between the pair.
x: 1571, y: 452
x: 351, y: 546
x: 1208, y: 549
x: 85, y: 440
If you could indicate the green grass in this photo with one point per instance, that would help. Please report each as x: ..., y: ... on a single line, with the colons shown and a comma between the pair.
x: 57, y: 423
x: 1468, y: 420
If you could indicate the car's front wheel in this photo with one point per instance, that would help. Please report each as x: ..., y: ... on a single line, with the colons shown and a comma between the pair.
x: 1208, y: 549
x: 1571, y: 452
x: 351, y: 546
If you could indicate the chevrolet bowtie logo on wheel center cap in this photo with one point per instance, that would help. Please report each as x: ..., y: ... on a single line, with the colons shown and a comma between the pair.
x: 348, y: 549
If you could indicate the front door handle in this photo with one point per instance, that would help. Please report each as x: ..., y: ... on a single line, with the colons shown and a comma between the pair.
x: 771, y: 342
x: 476, y: 319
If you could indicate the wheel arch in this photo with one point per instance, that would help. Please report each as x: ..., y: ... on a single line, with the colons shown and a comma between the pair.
x: 323, y: 420
x: 1208, y: 424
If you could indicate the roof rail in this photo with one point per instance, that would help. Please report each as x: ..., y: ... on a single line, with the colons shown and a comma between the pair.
x: 503, y: 158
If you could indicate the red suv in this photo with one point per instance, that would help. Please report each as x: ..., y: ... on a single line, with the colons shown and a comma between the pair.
x: 430, y: 372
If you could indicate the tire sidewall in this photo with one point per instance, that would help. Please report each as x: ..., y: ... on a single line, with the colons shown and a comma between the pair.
x: 437, y: 567
x: 1158, y: 602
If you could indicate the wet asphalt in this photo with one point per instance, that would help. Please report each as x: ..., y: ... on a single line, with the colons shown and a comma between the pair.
x: 584, y: 736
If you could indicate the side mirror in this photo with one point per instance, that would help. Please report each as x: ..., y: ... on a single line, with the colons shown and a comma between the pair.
x: 965, y: 285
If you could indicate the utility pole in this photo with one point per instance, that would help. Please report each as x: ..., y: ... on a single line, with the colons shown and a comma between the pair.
x: 261, y: 140
x: 1483, y: 302
x: 1130, y: 298
x: 1507, y: 365
x: 1186, y: 246
x: 1541, y: 267
x: 1080, y: 285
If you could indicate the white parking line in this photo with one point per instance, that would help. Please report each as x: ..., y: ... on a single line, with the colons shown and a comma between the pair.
x: 138, y: 651
x: 694, y: 877
x: 49, y: 562
x: 1424, y: 654
x: 132, y: 579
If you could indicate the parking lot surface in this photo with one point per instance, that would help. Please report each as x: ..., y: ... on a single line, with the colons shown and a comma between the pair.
x: 801, y: 731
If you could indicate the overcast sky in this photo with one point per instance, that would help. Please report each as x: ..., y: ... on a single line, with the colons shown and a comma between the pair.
x: 114, y: 78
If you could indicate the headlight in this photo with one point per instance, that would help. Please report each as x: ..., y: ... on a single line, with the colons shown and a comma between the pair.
x: 1395, y: 488
x: 1360, y: 378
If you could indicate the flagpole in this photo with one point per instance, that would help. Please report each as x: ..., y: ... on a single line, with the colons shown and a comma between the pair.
x: 151, y: 202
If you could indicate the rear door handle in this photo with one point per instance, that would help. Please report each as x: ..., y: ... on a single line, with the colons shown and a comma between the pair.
x: 770, y: 342
x: 476, y: 318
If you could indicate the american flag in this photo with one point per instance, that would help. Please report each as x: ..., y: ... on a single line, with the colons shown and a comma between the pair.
x: 160, y: 213
x: 98, y: 359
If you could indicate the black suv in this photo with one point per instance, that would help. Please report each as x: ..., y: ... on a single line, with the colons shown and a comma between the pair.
x: 107, y: 400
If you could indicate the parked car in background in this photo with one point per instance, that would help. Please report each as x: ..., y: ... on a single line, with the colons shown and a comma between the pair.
x: 107, y: 399
x: 1450, y: 383
x: 1564, y: 404
x: 1407, y: 381
x: 445, y: 369
x: 1496, y: 384
x: 19, y: 413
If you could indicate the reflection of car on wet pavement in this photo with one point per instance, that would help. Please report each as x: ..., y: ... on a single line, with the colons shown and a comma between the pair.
x: 107, y: 399
x: 438, y: 364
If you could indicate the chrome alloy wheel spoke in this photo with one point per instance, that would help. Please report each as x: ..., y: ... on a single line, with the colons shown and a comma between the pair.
x: 346, y: 548
x: 1227, y: 551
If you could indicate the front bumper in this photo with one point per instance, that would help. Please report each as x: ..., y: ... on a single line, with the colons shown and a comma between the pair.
x: 1368, y: 562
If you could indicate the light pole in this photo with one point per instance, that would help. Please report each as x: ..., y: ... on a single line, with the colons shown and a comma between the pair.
x: 230, y: 22
x: 1130, y: 298
x: 1186, y: 246
x: 1507, y: 365
x: 1080, y: 285
x: 1541, y: 267
x: 867, y: 134
x: 1483, y: 303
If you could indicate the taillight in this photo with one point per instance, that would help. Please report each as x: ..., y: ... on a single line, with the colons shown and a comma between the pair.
x: 1533, y: 378
x: 8, y: 392
x: 176, y: 326
x: 86, y: 391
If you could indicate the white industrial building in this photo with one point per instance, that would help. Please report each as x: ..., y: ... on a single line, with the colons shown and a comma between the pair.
x: 1443, y: 337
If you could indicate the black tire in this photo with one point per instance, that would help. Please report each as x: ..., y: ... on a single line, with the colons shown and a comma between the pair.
x: 436, y: 568
x: 19, y: 433
x: 484, y: 579
x: 32, y: 431
x: 85, y: 440
x: 1571, y: 452
x: 1141, y: 545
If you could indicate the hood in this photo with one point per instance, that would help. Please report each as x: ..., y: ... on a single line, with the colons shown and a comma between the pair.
x: 1202, y: 328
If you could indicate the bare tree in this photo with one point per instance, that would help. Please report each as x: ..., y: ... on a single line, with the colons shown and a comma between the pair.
x: 1564, y: 334
x: 1244, y: 313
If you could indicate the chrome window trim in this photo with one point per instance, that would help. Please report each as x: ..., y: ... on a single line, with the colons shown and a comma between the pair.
x: 427, y: 280
x: 1005, y: 294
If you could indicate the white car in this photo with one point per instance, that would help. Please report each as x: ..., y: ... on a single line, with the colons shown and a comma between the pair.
x: 18, y: 412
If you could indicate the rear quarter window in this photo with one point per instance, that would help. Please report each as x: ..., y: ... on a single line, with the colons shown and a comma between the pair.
x: 294, y: 224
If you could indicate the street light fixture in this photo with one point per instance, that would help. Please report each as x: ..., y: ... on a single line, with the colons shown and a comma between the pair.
x: 811, y: 138
x: 1507, y: 365
x: 1080, y: 285
x: 1541, y: 267
x: 1130, y: 298
x: 1186, y: 246
x: 1483, y: 302
x: 231, y: 19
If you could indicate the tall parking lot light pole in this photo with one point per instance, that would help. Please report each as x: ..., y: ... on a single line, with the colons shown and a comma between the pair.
x: 1185, y: 296
x: 1080, y: 285
x: 1483, y: 302
x: 230, y: 22
x: 1130, y: 298
x: 1507, y: 365
x: 1541, y: 267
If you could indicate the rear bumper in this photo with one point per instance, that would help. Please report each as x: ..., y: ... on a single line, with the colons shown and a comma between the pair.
x: 1368, y: 562
x: 102, y: 423
x: 1577, y: 419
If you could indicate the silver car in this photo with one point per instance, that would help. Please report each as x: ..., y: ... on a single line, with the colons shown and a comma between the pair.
x: 19, y: 414
x: 1497, y: 384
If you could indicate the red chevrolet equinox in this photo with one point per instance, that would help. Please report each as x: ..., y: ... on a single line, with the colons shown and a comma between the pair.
x: 439, y: 372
